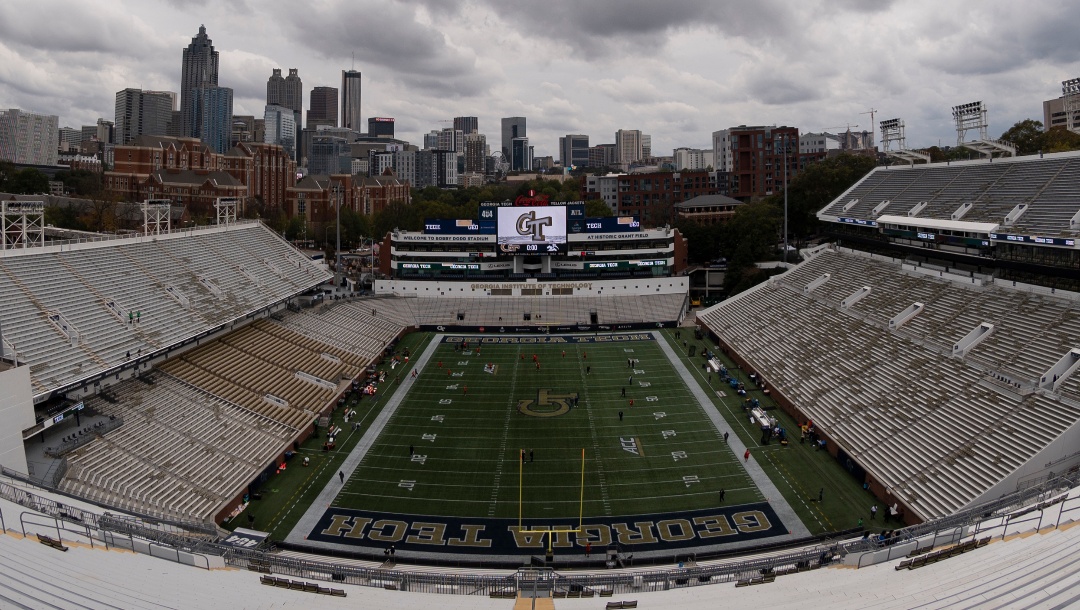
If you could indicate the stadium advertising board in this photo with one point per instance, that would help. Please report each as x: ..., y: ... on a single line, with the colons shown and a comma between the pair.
x: 458, y: 226
x: 1034, y: 239
x: 654, y: 532
x: 532, y: 230
x: 623, y: 265
x: 614, y: 224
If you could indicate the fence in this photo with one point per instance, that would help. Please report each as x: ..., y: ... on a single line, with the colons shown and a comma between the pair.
x: 1020, y: 507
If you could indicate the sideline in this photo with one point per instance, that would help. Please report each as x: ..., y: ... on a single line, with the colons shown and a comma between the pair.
x: 735, y: 444
x: 326, y: 497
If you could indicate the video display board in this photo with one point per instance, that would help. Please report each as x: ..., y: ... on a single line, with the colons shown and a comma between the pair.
x: 532, y: 229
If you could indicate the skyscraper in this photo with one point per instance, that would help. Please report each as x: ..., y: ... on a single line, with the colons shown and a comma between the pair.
x: 141, y: 112
x: 26, y: 137
x: 512, y: 127
x: 200, y: 69
x: 350, y: 100
x: 212, y: 108
x: 628, y: 146
x: 281, y: 128
x: 324, y: 104
x: 475, y: 153
x: 520, y: 155
x: 574, y: 150
x: 285, y: 92
x: 466, y: 124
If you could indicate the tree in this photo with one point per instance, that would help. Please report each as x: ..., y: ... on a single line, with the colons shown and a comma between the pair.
x: 817, y: 185
x: 80, y: 182
x: 1026, y: 136
x: 597, y: 208
x: 1059, y: 139
x: 27, y: 181
x: 99, y: 214
x: 65, y: 216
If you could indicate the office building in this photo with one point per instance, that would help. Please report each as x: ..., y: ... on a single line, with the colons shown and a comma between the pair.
x: 26, y: 137
x: 520, y: 155
x: 213, y: 116
x: 722, y: 150
x: 628, y: 147
x: 199, y: 71
x: 574, y: 150
x: 69, y: 139
x: 602, y: 155
x: 431, y: 140
x: 692, y: 159
x: 451, y: 139
x: 512, y: 127
x: 324, y: 107
x: 380, y: 127
x: 467, y: 124
x: 139, y: 112
x: 329, y: 154
x: 351, y: 118
x: 475, y: 153
x: 280, y: 126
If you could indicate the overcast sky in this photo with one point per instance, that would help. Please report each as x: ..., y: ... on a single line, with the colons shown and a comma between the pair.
x: 675, y: 69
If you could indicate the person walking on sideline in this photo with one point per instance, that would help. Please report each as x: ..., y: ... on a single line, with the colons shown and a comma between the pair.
x: 746, y: 456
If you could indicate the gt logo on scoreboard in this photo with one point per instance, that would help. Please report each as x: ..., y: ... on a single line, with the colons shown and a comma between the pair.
x: 528, y: 224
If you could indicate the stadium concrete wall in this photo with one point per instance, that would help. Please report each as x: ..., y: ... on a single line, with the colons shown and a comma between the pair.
x: 582, y: 288
x: 16, y: 415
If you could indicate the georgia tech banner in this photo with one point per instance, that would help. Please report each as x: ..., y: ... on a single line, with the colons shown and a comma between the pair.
x: 657, y: 532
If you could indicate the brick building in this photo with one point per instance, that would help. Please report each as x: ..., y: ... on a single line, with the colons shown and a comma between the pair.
x: 314, y: 199
x: 190, y: 173
x: 757, y: 160
x: 652, y: 196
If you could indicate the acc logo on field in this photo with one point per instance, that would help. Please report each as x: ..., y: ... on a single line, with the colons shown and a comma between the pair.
x: 547, y: 404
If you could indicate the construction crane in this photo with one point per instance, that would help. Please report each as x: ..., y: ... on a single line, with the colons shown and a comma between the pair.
x: 871, y: 113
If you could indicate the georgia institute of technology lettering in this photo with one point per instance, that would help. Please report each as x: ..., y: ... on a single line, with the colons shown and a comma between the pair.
x: 502, y: 536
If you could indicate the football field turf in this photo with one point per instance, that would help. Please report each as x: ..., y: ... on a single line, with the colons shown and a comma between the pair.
x: 454, y: 445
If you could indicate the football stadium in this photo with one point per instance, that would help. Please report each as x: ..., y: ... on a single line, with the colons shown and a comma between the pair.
x: 527, y: 411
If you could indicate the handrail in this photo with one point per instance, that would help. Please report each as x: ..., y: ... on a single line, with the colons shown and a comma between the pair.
x: 816, y: 555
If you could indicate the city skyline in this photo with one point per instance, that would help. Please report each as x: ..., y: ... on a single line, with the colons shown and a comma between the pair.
x: 677, y: 71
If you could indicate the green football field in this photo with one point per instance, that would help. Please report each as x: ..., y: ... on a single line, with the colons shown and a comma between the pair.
x: 454, y: 445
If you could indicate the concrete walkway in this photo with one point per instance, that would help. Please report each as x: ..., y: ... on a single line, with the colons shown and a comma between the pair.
x: 359, y: 452
x: 762, y: 480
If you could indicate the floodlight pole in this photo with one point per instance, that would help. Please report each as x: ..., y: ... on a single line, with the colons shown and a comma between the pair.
x: 337, y: 196
x: 785, y: 201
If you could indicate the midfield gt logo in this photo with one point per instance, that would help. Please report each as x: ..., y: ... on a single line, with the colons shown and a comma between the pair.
x: 547, y: 404
x: 530, y: 224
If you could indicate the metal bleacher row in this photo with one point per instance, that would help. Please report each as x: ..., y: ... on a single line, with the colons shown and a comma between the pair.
x: 263, y: 359
x: 176, y: 285
x: 350, y: 325
x: 930, y: 426
x: 1046, y: 185
x: 181, y: 452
